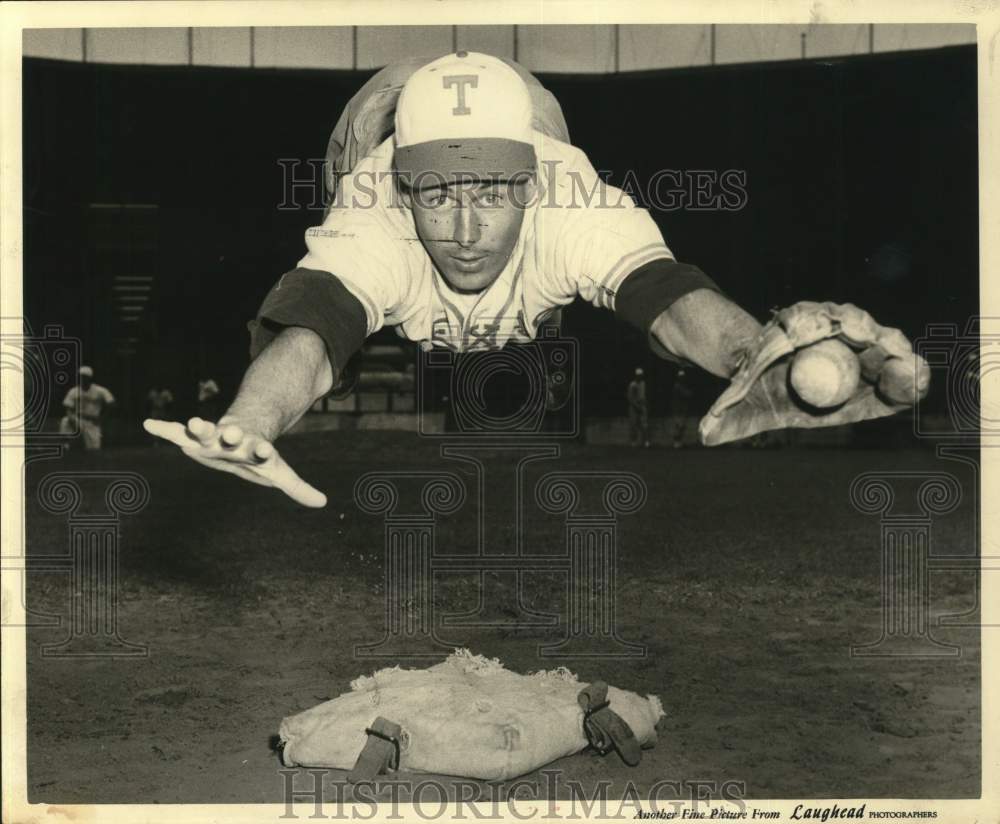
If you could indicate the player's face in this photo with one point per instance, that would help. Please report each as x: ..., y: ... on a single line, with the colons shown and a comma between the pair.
x: 470, y: 230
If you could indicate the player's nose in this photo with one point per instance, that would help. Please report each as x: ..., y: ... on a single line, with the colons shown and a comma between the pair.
x: 467, y: 230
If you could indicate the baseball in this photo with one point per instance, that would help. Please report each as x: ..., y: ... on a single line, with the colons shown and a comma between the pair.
x: 825, y: 374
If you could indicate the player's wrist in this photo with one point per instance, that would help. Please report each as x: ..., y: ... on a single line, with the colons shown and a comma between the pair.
x: 251, y: 425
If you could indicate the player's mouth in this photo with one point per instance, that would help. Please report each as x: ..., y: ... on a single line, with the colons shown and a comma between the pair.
x: 469, y: 263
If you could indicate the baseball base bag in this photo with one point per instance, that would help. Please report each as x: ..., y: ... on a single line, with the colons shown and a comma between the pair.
x: 468, y: 716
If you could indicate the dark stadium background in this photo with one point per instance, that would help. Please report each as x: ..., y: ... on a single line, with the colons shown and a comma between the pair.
x: 861, y: 181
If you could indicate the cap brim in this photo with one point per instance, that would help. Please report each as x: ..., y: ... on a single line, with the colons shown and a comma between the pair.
x: 442, y: 162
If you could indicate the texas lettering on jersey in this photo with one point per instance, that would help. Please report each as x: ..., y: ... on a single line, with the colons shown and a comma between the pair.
x: 579, y: 238
x: 484, y: 335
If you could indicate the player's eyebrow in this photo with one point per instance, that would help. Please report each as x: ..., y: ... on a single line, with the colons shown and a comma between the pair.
x: 477, y: 186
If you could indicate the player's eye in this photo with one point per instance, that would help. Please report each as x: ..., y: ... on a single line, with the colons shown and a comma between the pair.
x: 436, y: 200
x: 491, y: 199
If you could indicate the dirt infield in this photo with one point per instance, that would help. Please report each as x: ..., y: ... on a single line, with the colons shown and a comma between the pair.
x: 748, y: 575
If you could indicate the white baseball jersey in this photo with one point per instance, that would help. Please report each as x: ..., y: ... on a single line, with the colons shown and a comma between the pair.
x: 579, y: 236
x: 92, y: 401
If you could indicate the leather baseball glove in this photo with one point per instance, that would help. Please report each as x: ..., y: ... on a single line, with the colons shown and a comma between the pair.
x: 758, y: 399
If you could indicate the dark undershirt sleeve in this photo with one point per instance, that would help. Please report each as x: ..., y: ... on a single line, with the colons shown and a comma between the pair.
x: 314, y: 300
x: 650, y: 289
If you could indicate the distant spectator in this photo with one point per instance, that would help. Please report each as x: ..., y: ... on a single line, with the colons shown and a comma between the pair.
x: 84, y: 405
x: 680, y: 398
x: 208, y: 400
x: 638, y: 413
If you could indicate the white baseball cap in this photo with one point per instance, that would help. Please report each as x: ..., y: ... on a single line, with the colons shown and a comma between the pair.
x: 463, y: 117
x: 87, y: 371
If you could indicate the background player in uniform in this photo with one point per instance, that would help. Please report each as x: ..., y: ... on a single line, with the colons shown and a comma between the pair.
x: 208, y: 399
x: 464, y: 219
x: 638, y: 411
x: 680, y: 398
x: 84, y: 405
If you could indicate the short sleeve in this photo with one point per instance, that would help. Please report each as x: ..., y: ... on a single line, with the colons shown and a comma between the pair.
x: 312, y: 300
x: 106, y: 395
x: 71, y: 395
x: 366, y: 257
x: 354, y: 274
x: 601, y: 244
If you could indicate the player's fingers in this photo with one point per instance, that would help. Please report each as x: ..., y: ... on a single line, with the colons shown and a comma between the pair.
x: 240, y: 470
x: 263, y: 450
x: 284, y: 478
x: 301, y: 492
x: 201, y: 431
x: 168, y: 430
x: 231, y: 436
x: 905, y: 380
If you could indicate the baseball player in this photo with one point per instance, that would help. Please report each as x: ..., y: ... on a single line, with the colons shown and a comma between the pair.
x: 464, y: 219
x: 638, y: 412
x: 84, y: 404
x: 680, y: 396
x: 208, y: 398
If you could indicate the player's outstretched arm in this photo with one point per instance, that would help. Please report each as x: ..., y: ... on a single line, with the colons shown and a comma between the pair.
x: 707, y: 329
x: 280, y: 385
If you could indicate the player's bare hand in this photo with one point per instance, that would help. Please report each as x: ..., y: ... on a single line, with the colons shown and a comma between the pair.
x: 231, y: 448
